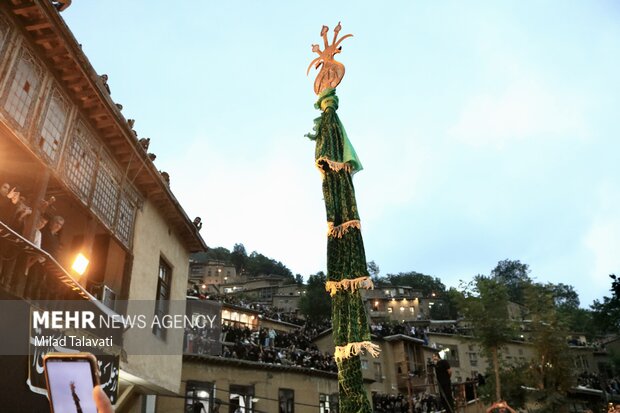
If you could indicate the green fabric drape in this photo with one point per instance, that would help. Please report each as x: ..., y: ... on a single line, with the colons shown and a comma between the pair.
x: 346, y: 258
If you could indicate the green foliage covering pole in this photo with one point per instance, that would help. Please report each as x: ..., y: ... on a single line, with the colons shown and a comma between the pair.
x: 347, y: 270
x: 346, y: 260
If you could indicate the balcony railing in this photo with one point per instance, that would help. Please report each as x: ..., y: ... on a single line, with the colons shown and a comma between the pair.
x: 44, y: 281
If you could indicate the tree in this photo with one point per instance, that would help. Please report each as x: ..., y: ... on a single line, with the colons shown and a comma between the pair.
x: 373, y: 270
x: 299, y: 280
x: 551, y: 373
x: 484, y: 304
x: 258, y: 264
x: 218, y: 254
x: 422, y: 282
x: 606, y: 314
x: 239, y: 257
x: 566, y: 303
x: 316, y: 303
x: 515, y: 276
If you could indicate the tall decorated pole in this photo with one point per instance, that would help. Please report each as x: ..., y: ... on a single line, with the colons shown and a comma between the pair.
x: 347, y: 270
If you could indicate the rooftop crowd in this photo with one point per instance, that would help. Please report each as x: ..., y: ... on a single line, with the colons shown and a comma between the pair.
x: 392, y: 403
x: 268, y: 346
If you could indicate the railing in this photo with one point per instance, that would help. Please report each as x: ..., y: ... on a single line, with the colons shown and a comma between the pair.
x: 46, y: 280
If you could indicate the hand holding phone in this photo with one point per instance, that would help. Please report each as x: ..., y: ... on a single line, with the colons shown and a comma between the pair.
x: 71, y: 381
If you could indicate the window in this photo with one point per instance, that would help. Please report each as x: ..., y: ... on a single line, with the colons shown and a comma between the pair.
x: 198, y: 396
x: 23, y: 89
x: 390, y: 309
x: 473, y: 359
x: 126, y: 214
x: 378, y: 372
x: 80, y: 163
x: 451, y: 353
x: 240, y: 399
x: 162, y: 297
x: 286, y: 401
x: 364, y: 364
x: 328, y: 403
x: 54, y: 125
x: 106, y: 191
x: 4, y: 33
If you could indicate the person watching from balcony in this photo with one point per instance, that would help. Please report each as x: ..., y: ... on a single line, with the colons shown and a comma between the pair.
x: 50, y: 237
x: 10, y: 254
x: 34, y: 264
x: 6, y: 207
x: 6, y: 210
x: 22, y: 211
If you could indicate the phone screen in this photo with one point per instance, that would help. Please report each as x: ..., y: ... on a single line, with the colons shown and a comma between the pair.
x: 70, y: 383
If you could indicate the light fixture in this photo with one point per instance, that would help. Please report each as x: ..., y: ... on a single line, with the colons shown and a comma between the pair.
x: 80, y: 264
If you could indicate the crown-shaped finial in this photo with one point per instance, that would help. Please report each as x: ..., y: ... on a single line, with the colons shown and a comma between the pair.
x: 331, y: 72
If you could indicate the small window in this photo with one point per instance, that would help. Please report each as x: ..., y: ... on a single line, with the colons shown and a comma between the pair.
x: 286, y: 401
x: 54, y: 126
x: 378, y: 372
x: 364, y: 364
x: 199, y: 396
x: 162, y: 298
x: 240, y: 399
x: 23, y: 88
x: 390, y: 309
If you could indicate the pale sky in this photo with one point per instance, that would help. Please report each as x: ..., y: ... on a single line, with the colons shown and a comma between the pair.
x: 487, y: 130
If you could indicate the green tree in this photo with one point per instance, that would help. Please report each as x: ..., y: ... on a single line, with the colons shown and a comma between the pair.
x: 484, y: 304
x: 218, y: 254
x: 513, y: 385
x: 299, y: 280
x: 515, y: 276
x: 606, y: 314
x: 566, y: 303
x: 239, y: 257
x: 258, y: 264
x: 422, y: 282
x: 551, y: 372
x: 316, y: 304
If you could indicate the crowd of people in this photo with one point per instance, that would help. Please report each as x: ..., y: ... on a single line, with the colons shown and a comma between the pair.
x: 386, y: 329
x: 268, y: 346
x: 392, y: 403
x: 594, y: 381
x: 21, y: 272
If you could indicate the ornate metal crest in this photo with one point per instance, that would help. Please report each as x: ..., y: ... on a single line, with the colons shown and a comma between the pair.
x: 331, y: 72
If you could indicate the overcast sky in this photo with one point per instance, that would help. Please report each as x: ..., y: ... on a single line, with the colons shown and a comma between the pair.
x: 487, y: 130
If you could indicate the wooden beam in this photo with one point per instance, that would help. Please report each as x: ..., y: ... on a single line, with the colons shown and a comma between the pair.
x: 97, y: 112
x: 102, y: 124
x: 90, y: 103
x: 46, y: 38
x: 56, y: 51
x: 38, y: 25
x: 63, y: 64
x: 81, y: 93
x: 78, y: 82
x: 24, y: 10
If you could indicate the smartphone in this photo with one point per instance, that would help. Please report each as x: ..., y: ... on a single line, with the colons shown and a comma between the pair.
x: 70, y: 379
